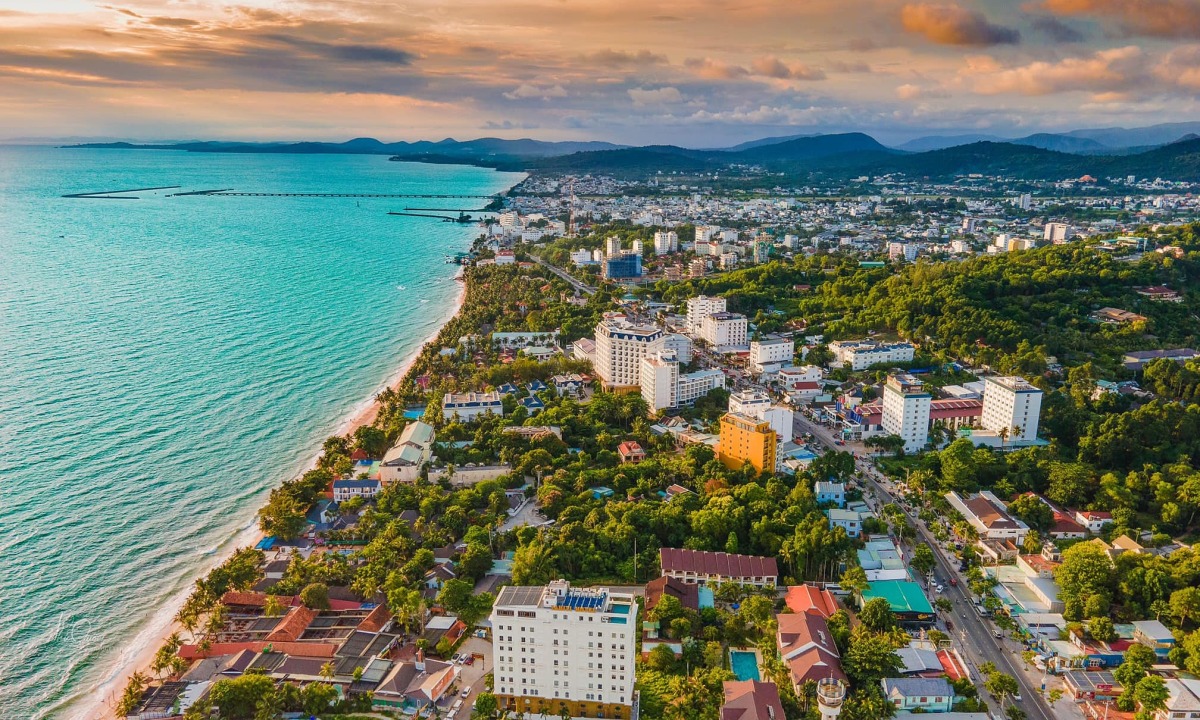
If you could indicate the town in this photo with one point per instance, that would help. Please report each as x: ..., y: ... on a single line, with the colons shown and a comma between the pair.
x: 858, y: 451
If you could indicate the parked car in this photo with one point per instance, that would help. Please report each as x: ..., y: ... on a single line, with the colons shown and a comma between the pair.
x: 953, y: 582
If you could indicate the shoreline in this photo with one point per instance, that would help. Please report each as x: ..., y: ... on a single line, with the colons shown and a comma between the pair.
x: 137, y: 655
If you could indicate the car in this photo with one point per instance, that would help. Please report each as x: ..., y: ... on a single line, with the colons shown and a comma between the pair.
x: 939, y: 588
x: 998, y: 634
x: 466, y: 692
x: 953, y: 582
x: 1017, y: 696
x: 470, y: 660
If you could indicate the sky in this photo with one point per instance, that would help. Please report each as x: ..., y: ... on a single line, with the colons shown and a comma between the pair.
x: 702, y: 73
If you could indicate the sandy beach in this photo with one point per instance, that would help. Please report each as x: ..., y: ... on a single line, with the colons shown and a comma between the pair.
x: 100, y: 700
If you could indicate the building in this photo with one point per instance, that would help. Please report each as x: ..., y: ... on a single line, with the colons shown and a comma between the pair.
x: 582, y: 257
x: 1183, y: 700
x: 681, y: 345
x: 625, y: 265
x: 988, y: 514
x: 771, y: 353
x: 699, y: 308
x: 402, y: 463
x: 660, y: 380
x: 1058, y: 233
x: 848, y: 520
x: 693, y: 386
x: 688, y: 594
x: 1012, y: 405
x: 724, y: 329
x: 927, y: 695
x: 1115, y: 316
x: 906, y: 599
x: 747, y: 440
x: 906, y: 407
x: 1154, y: 635
x: 540, y: 635
x: 343, y: 490
x: 862, y: 354
x: 666, y: 242
x: 1093, y: 520
x: 751, y: 700
x: 830, y: 492
x: 620, y: 347
x: 1138, y: 359
x: 749, y: 402
x: 807, y: 648
x: 468, y: 406
x: 612, y: 245
x: 631, y: 451
x: 810, y: 598
x: 1099, y: 685
x: 505, y: 257
x: 696, y: 566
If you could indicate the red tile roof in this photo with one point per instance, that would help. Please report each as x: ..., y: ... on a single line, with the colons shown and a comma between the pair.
x: 293, y: 625
x: 803, y: 598
x: 297, y: 649
x: 751, y: 700
x: 717, y: 563
x: 952, y: 664
x: 687, y: 593
x: 375, y: 620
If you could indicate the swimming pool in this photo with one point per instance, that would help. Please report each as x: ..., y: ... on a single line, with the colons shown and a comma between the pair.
x: 744, y: 664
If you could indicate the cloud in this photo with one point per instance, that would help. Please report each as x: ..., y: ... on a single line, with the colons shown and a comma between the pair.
x: 910, y: 92
x: 509, y: 125
x: 1181, y: 67
x: 954, y: 25
x: 643, y: 97
x: 1119, y: 70
x: 525, y: 91
x: 773, y: 67
x: 621, y: 58
x: 1154, y: 18
x: 1056, y: 29
x: 710, y: 69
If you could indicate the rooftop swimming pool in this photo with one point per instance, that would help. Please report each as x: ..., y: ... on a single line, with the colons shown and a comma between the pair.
x: 744, y: 664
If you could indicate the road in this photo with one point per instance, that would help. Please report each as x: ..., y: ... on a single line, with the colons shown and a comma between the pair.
x: 974, y: 634
x: 575, y: 282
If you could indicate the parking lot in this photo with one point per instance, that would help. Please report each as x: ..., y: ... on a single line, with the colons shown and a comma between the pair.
x: 470, y: 676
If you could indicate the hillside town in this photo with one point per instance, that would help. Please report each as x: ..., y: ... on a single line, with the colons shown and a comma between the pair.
x: 760, y: 456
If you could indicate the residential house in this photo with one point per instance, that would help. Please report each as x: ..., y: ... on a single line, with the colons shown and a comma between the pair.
x: 421, y: 683
x: 1154, y: 635
x: 688, y: 594
x: 989, y: 516
x: 468, y: 406
x: 751, y: 700
x: 697, y: 566
x: 810, y: 598
x: 631, y: 451
x: 414, y: 448
x: 933, y: 695
x: 343, y: 490
x: 807, y: 648
x: 848, y: 520
x: 1183, y: 700
x: 828, y: 491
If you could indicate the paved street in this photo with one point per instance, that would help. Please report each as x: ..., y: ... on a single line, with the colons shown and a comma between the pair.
x: 973, y: 634
x: 581, y: 287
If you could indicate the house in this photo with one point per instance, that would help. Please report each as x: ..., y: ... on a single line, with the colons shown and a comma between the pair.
x: 675, y: 490
x: 571, y: 385
x: 810, y: 598
x: 932, y: 695
x: 536, y: 386
x: 1093, y: 520
x: 421, y: 683
x: 688, y: 594
x: 1183, y: 700
x: 988, y: 514
x: 443, y: 626
x: 533, y: 404
x: 631, y: 452
x: 439, y: 575
x: 414, y: 448
x: 1081, y: 685
x: 906, y: 599
x: 848, y: 520
x: 1138, y: 359
x: 751, y: 700
x: 468, y: 406
x: 1160, y: 293
x: 1115, y: 316
x: 1154, y: 635
x: 697, y: 566
x: 1124, y: 544
x: 343, y: 490
x: 830, y: 492
x: 807, y: 648
x: 1066, y: 528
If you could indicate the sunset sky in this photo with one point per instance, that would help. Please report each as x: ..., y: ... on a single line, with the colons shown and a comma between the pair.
x: 695, y: 72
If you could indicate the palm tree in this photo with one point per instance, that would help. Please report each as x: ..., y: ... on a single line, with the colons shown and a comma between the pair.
x: 327, y: 671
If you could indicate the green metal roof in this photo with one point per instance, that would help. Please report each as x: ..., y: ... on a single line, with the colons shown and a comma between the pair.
x: 904, y: 596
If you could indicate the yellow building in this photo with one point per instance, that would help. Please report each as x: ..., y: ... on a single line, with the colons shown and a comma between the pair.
x: 745, y: 439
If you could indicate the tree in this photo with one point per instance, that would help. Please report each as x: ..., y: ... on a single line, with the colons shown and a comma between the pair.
x: 1084, y: 579
x: 1185, y: 605
x: 923, y: 560
x: 1002, y: 686
x: 854, y: 580
x: 533, y: 564
x: 315, y: 596
x: 239, y: 698
x: 870, y: 658
x: 132, y: 696
x: 1151, y: 695
x: 1035, y: 513
x: 274, y: 607
x: 1137, y: 662
x: 485, y: 706
x: 316, y: 697
x: 283, y: 516
x: 877, y: 616
x: 1101, y: 628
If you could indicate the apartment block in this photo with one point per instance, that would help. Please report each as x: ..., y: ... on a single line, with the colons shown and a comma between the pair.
x: 862, y: 354
x: 620, y: 347
x: 906, y: 407
x: 724, y: 329
x: 770, y: 353
x: 699, y: 308
x: 746, y: 439
x: 1011, y: 404
x: 562, y: 650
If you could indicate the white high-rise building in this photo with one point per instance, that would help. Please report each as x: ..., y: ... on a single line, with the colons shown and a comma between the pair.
x: 906, y: 411
x: 725, y: 329
x: 693, y: 386
x: 748, y: 402
x: 1012, y: 404
x: 681, y: 345
x: 1025, y: 201
x: 557, y: 646
x: 771, y: 351
x: 620, y: 347
x: 1058, y: 233
x: 612, y: 246
x: 757, y: 405
x: 666, y: 242
x: 699, y: 308
x: 638, y: 247
x: 704, y: 233
x: 660, y: 380
x: 862, y: 354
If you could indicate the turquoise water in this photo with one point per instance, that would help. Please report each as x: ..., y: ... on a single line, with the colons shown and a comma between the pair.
x: 744, y: 665
x: 165, y: 361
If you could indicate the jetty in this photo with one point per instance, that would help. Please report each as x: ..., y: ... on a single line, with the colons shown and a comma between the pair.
x: 117, y: 194
x: 352, y: 195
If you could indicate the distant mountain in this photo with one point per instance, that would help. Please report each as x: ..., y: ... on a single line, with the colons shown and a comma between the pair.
x: 1118, y: 137
x: 1061, y: 143
x: 469, y: 149
x: 765, y: 141
x: 940, y: 142
x: 809, y: 148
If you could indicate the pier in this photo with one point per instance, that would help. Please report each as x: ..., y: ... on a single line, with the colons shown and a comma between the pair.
x: 352, y: 195
x: 117, y: 194
x: 200, y: 192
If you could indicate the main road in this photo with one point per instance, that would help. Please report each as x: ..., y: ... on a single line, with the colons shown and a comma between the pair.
x: 976, y: 638
x: 575, y: 282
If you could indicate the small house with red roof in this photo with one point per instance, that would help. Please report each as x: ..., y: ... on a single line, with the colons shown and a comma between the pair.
x: 810, y: 598
x: 751, y: 700
x: 631, y: 451
x: 807, y: 648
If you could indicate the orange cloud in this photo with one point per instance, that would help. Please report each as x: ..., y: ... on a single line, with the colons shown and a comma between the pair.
x: 1156, y: 18
x: 1118, y: 70
x: 773, y: 67
x: 954, y: 25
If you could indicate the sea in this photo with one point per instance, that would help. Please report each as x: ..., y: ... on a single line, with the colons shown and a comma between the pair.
x: 165, y: 361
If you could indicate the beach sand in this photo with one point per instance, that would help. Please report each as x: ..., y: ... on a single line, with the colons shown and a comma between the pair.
x: 101, y: 699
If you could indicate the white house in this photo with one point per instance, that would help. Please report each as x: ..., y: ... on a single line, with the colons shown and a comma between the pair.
x: 414, y: 448
x: 468, y: 406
